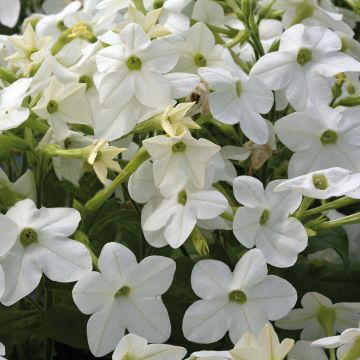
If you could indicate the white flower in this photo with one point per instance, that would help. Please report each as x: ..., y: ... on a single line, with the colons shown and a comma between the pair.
x: 101, y: 157
x: 131, y: 77
x: 238, y: 302
x: 312, y: 12
x: 179, y: 209
x: 321, y: 138
x: 135, y: 347
x: 306, y: 57
x: 199, y: 50
x: 210, y: 355
x: 37, y: 241
x: 264, y: 221
x: 265, y: 347
x: 63, y: 104
x: 180, y: 155
x: 10, y: 11
x: 12, y: 113
x: 125, y: 295
x: 238, y: 98
x: 323, y: 184
x: 2, y: 351
x: 303, y: 350
x: 319, y: 310
x: 31, y: 49
x: 347, y: 343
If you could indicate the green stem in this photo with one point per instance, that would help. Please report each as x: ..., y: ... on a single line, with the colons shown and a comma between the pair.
x: 49, y: 344
x: 7, y: 75
x: 101, y: 196
x: 346, y: 220
x: 344, y: 201
x: 305, y: 204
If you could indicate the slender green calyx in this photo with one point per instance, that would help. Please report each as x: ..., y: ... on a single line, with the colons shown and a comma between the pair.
x: 178, y: 147
x: 123, y: 291
x: 354, y: 352
x: 199, y: 60
x: 87, y: 81
x: 264, y: 217
x: 320, y: 181
x: 328, y: 137
x: 238, y: 87
x: 238, y: 296
x: 326, y: 317
x: 28, y: 236
x: 199, y: 241
x: 134, y: 63
x: 303, y: 11
x: 344, y: 44
x: 304, y: 56
x: 182, y: 197
x: 52, y: 106
x: 157, y: 4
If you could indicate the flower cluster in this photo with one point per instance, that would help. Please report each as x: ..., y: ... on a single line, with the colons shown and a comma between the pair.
x: 182, y: 163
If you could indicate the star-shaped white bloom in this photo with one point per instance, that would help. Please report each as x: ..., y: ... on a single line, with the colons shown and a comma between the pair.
x: 265, y: 347
x: 135, y: 347
x: 36, y: 241
x: 180, y: 155
x: 264, y: 221
x: 316, y: 308
x: 306, y: 57
x: 30, y: 49
x: 131, y: 77
x: 321, y: 138
x: 177, y: 211
x: 238, y: 98
x: 12, y: 113
x: 303, y: 350
x: 124, y: 295
x: 63, y: 104
x: 239, y: 302
x: 323, y: 184
x: 347, y: 343
x: 199, y: 50
x: 312, y: 12
x: 10, y: 12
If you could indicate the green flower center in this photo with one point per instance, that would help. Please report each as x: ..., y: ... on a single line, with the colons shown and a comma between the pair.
x: 178, y: 147
x: 264, y: 217
x: 328, y: 137
x: 303, y: 11
x: 238, y: 87
x: 52, y: 106
x: 304, y: 56
x: 123, y: 291
x: 320, y: 182
x: 238, y: 296
x: 182, y: 197
x: 28, y: 236
x: 157, y: 4
x: 350, y: 88
x: 127, y: 356
x: 86, y: 80
x: 199, y: 60
x: 134, y: 63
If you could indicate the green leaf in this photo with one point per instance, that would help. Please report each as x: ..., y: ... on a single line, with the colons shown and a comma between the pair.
x: 16, y: 325
x: 65, y: 324
x: 331, y: 239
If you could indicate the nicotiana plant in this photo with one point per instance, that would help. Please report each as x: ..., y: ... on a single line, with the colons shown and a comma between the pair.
x: 180, y: 179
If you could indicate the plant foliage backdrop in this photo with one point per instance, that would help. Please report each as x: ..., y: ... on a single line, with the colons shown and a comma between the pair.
x: 179, y: 179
